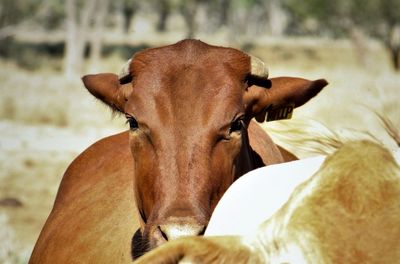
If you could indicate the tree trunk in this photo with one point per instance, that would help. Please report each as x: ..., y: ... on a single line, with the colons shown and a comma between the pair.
x: 277, y: 19
x: 189, y: 10
x: 70, y: 57
x: 225, y: 7
x: 164, y: 11
x: 129, y: 9
x: 395, y: 52
x: 359, y: 40
x: 76, y: 38
x: 96, y: 36
x: 394, y: 46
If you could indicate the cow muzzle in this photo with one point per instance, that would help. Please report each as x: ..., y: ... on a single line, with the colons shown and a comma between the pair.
x: 171, y: 229
x: 174, y: 228
x: 177, y: 229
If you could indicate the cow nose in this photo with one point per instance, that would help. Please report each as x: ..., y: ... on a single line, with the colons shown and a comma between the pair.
x: 174, y: 231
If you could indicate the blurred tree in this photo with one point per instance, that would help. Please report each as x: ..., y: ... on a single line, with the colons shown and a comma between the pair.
x: 219, y: 14
x: 250, y: 17
x: 355, y: 18
x: 79, y: 16
x: 19, y: 16
x: 277, y: 18
x: 163, y: 9
x: 224, y: 7
x: 51, y: 14
x: 188, y: 10
x: 14, y: 13
x: 389, y: 21
x: 129, y: 9
x: 96, y: 35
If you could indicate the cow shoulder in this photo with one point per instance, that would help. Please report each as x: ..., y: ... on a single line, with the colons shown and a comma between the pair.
x: 95, y: 201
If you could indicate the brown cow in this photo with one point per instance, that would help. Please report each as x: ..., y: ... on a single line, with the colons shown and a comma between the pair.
x: 347, y: 212
x: 188, y: 106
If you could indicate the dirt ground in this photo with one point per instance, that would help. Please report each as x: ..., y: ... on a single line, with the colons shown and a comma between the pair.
x: 45, y: 122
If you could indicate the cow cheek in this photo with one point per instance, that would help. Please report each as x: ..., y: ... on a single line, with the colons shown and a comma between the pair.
x: 224, y: 167
x: 144, y: 164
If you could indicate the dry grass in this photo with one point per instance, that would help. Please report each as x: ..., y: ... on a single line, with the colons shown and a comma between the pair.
x: 358, y: 102
x: 45, y: 121
x: 355, y: 105
x: 46, y: 97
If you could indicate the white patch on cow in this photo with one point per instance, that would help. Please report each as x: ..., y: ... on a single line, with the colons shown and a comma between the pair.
x: 396, y: 154
x: 257, y: 195
x: 291, y: 253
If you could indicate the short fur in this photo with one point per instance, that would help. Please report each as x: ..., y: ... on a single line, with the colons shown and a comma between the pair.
x: 166, y: 175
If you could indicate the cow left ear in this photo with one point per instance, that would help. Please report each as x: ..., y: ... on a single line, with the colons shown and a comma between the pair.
x: 278, y: 101
x: 107, y: 88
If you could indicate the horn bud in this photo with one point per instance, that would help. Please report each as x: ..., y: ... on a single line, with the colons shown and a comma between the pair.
x: 124, y: 75
x: 258, y: 67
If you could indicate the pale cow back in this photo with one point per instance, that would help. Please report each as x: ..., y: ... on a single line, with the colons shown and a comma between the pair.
x: 348, y: 211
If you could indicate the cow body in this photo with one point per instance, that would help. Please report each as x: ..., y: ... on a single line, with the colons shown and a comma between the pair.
x: 347, y: 212
x: 93, y: 218
x: 189, y: 107
x: 96, y: 201
x: 95, y: 215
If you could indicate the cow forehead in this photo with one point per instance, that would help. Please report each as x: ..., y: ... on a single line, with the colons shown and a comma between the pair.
x: 211, y: 63
x: 188, y: 77
x: 192, y: 52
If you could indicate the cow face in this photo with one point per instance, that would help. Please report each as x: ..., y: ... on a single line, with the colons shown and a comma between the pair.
x: 188, y: 106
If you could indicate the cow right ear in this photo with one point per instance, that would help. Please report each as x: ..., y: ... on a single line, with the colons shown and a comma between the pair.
x: 279, y: 100
x: 107, y: 88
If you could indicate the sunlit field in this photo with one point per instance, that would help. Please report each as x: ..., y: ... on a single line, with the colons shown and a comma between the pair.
x: 46, y: 121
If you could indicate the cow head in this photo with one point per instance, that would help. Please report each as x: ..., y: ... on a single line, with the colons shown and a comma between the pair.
x: 188, y: 106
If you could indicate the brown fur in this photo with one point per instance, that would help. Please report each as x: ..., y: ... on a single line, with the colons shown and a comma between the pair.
x: 185, y: 97
x: 94, y: 215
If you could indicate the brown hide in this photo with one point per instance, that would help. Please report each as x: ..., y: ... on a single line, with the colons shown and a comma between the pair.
x: 94, y: 215
x: 188, y: 107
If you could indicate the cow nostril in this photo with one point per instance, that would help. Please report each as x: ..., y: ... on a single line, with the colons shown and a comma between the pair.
x: 164, y: 235
x: 202, y: 231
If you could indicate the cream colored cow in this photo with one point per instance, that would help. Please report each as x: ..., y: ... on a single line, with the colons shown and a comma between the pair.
x: 347, y: 212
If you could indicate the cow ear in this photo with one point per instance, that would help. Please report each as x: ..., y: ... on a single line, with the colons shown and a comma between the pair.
x: 107, y: 88
x: 278, y: 101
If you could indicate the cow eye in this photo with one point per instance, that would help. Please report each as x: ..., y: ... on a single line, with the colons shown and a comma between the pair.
x: 133, y: 124
x: 236, y: 126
